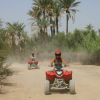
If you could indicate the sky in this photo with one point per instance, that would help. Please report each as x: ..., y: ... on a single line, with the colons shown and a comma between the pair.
x: 16, y: 10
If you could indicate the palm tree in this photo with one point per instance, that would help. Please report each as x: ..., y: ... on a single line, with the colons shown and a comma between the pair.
x: 36, y: 26
x: 67, y: 6
x: 43, y: 5
x: 50, y: 14
x: 89, y: 27
x: 53, y: 27
x: 36, y: 13
x: 56, y: 10
x: 11, y: 33
x: 17, y: 27
x: 25, y: 38
x: 46, y: 23
x: 13, y: 28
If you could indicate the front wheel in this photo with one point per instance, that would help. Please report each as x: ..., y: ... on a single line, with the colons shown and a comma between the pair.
x: 47, y: 87
x: 37, y: 66
x: 72, y: 87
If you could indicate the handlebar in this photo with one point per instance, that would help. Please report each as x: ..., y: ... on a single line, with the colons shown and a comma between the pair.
x: 62, y: 66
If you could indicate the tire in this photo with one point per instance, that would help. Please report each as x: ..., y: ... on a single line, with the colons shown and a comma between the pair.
x: 37, y: 66
x: 72, y: 87
x: 28, y: 66
x: 47, y: 87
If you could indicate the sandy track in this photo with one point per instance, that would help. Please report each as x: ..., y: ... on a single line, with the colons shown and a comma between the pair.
x: 29, y: 84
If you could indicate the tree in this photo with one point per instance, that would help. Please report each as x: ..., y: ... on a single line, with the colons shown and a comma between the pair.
x: 35, y: 13
x: 17, y: 27
x: 1, y: 23
x: 50, y: 14
x: 11, y: 33
x: 67, y: 6
x: 56, y: 10
x: 15, y: 30
x: 53, y: 27
x: 43, y: 6
x: 5, y: 50
x: 25, y: 38
x: 43, y: 22
x: 89, y: 27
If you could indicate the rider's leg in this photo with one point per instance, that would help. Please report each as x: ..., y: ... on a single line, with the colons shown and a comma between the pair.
x: 64, y: 71
x: 53, y: 70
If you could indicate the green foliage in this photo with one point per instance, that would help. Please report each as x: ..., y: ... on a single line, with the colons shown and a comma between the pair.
x: 5, y: 50
x: 56, y: 9
x: 16, y: 26
x: 78, y: 41
x: 89, y: 27
x: 5, y: 71
x: 4, y: 47
x: 68, y: 6
x: 1, y: 23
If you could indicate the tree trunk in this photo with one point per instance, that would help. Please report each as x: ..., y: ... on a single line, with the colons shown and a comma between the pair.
x: 53, y: 31
x: 41, y: 35
x: 26, y: 47
x: 46, y: 36
x: 56, y: 25
x: 19, y: 47
x: 14, y: 46
x: 19, y: 35
x: 51, y: 28
x: 66, y: 22
x: 44, y: 26
x: 16, y: 50
x: 45, y: 30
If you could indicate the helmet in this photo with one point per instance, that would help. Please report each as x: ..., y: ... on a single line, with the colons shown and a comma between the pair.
x: 32, y: 53
x: 58, y: 54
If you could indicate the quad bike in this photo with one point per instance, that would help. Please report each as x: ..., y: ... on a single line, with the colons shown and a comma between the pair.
x: 59, y: 79
x: 33, y: 64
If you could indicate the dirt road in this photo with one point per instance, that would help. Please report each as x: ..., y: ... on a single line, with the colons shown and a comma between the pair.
x: 29, y: 84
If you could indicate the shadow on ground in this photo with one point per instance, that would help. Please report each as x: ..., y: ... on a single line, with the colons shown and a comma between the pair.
x: 8, y: 84
x: 59, y: 91
x: 3, y: 92
x: 3, y: 87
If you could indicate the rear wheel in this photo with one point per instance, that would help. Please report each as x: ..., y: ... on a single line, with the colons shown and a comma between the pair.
x: 72, y: 87
x: 28, y: 66
x: 37, y: 66
x: 47, y: 87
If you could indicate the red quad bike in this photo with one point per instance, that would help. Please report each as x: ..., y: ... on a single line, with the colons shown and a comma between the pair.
x: 59, y: 79
x: 33, y: 64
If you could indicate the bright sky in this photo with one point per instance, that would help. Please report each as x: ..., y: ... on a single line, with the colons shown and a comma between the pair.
x: 16, y: 10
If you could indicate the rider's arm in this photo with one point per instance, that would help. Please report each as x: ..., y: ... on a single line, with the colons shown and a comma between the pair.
x: 52, y: 62
x: 30, y: 58
x: 64, y: 62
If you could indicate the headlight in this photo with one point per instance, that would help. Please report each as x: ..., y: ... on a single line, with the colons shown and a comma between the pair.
x: 59, y: 72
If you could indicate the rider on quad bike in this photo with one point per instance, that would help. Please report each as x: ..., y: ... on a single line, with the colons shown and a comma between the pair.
x: 32, y: 62
x: 32, y: 58
x: 59, y: 78
x: 58, y: 60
